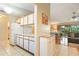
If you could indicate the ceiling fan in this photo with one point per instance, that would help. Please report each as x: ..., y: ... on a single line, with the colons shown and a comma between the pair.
x: 74, y: 15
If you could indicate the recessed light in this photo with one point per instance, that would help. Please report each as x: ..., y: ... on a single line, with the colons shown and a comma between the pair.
x: 8, y: 10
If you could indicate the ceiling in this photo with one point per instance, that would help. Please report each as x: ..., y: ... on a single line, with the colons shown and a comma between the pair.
x: 18, y: 9
x: 62, y: 12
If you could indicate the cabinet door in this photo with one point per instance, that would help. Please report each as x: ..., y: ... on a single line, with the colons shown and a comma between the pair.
x: 21, y: 42
x: 31, y: 38
x: 43, y: 46
x: 21, y: 22
x: 25, y: 44
x: 31, y: 46
x: 25, y: 20
x: 31, y: 19
x: 18, y: 41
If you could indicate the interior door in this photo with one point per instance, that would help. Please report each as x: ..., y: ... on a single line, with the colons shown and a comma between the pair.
x: 4, y: 30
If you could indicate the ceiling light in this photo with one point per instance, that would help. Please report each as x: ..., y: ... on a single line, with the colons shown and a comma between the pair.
x: 1, y: 15
x: 8, y: 10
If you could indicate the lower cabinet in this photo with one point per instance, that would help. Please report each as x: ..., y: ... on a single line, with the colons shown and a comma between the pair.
x: 31, y: 46
x: 26, y: 44
x: 43, y: 46
x: 18, y: 41
x: 21, y: 42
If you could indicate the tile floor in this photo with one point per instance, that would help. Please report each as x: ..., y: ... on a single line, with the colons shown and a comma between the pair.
x: 55, y: 50
x: 13, y: 51
x: 8, y: 50
x: 63, y: 50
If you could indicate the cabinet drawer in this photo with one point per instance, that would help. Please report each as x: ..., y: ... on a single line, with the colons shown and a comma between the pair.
x: 26, y: 44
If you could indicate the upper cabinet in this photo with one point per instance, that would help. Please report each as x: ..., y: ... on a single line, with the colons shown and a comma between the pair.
x: 26, y: 20
x: 22, y: 21
x: 30, y: 19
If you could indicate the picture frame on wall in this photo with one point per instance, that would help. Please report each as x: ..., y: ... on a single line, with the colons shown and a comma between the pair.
x: 44, y: 19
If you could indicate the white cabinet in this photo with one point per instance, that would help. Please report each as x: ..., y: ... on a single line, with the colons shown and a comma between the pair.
x: 18, y: 41
x: 25, y: 20
x: 21, y: 21
x: 32, y: 46
x: 32, y: 38
x: 31, y: 19
x: 26, y: 44
x: 21, y: 42
x: 43, y: 46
